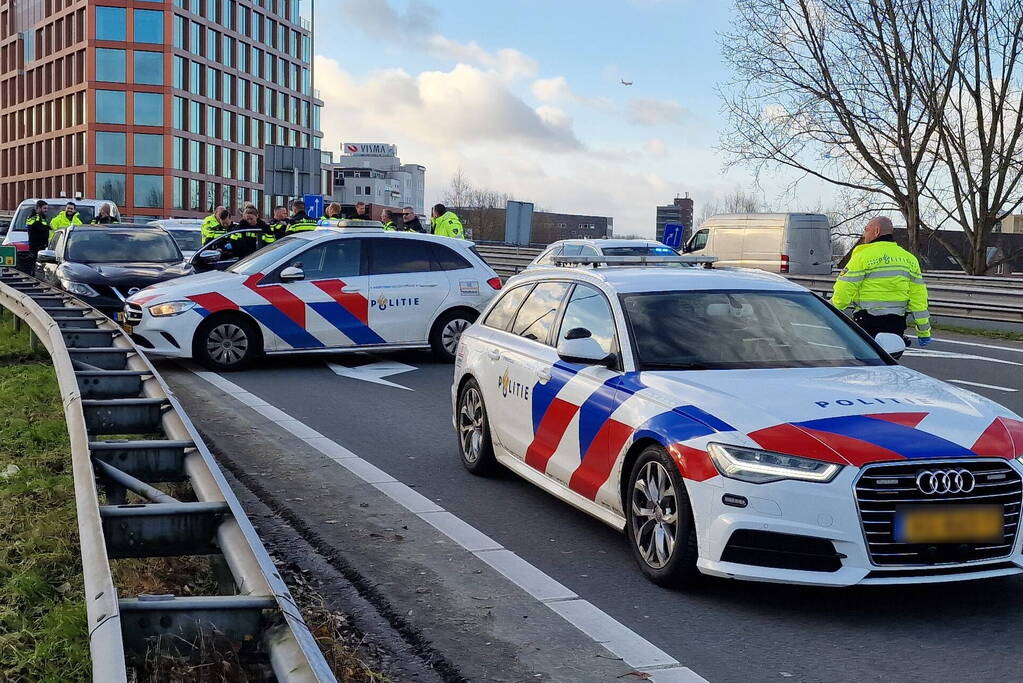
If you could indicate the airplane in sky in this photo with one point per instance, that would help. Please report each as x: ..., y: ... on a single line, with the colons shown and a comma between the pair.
x: 625, y: 82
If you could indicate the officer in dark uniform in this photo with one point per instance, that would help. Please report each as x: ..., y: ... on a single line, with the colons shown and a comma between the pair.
x: 38, y: 227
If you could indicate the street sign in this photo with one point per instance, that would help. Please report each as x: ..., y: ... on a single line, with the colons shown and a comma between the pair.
x: 313, y: 205
x: 673, y: 233
x: 518, y: 222
x: 291, y: 171
x: 9, y: 257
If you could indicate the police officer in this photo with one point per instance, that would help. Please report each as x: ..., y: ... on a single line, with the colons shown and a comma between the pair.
x: 299, y: 221
x: 67, y: 217
x: 245, y: 244
x: 410, y: 221
x: 361, y: 212
x: 38, y: 227
x: 385, y: 218
x: 882, y: 283
x: 331, y: 215
x: 446, y: 223
x: 217, y: 224
x: 104, y: 217
x: 278, y: 227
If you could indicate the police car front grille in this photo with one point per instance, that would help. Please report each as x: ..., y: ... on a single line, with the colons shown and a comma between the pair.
x: 132, y: 314
x: 882, y: 489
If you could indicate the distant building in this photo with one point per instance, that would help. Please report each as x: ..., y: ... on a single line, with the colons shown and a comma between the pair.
x: 373, y: 173
x: 1010, y: 225
x: 679, y: 211
x: 488, y: 225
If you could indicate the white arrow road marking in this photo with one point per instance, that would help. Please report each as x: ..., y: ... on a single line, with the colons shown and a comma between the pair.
x: 374, y: 372
x: 961, y: 356
x: 978, y: 384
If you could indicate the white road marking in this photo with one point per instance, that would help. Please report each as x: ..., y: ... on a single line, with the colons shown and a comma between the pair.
x: 982, y: 386
x: 961, y: 356
x: 966, y: 343
x: 614, y: 636
x: 374, y: 372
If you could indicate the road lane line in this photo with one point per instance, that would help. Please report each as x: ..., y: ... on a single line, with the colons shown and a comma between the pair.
x: 982, y: 386
x: 934, y: 353
x: 966, y: 343
x: 604, y: 629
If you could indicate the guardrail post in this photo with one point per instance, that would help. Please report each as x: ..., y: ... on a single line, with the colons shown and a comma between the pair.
x: 33, y: 342
x: 17, y: 324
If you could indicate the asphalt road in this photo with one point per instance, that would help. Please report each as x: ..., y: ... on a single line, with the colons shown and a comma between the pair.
x: 723, y: 630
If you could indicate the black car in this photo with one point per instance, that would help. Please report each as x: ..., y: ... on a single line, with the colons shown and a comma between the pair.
x: 104, y: 264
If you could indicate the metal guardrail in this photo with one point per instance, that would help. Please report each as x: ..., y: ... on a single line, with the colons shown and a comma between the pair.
x: 952, y: 296
x: 109, y: 388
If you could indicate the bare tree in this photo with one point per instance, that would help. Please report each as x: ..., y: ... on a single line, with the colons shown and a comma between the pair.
x: 477, y: 207
x: 827, y: 88
x: 737, y: 200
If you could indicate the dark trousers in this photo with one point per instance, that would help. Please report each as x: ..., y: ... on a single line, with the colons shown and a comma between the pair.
x: 875, y: 324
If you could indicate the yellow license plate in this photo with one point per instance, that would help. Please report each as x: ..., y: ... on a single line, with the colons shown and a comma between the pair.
x: 127, y: 328
x: 950, y: 524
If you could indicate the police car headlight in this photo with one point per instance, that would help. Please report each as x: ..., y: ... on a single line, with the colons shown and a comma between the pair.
x: 78, y: 288
x: 760, y: 467
x: 170, y: 308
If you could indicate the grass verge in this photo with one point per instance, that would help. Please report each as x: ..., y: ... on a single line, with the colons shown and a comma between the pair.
x: 43, y: 629
x: 990, y: 334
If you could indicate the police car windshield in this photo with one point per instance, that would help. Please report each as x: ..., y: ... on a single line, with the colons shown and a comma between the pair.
x: 263, y: 259
x: 718, y: 330
x: 113, y: 245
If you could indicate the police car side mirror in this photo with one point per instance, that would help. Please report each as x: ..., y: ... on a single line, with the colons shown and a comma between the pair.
x: 46, y: 256
x: 291, y: 274
x: 893, y: 344
x: 584, y: 350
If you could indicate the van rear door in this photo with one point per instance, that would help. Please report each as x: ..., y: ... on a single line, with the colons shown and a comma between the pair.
x: 808, y: 244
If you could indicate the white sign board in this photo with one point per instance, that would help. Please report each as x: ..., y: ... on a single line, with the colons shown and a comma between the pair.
x: 369, y: 149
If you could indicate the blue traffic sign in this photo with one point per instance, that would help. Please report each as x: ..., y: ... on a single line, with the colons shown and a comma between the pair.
x: 313, y: 205
x: 673, y: 233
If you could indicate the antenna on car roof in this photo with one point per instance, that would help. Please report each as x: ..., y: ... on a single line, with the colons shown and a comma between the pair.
x: 637, y: 260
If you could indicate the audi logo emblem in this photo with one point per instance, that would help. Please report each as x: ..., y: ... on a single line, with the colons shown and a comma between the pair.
x: 940, y: 482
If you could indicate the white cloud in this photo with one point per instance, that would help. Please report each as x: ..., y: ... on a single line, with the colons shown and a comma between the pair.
x: 557, y: 89
x: 415, y: 28
x: 655, y: 147
x: 649, y: 111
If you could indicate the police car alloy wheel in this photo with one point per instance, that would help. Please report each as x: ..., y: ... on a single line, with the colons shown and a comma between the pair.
x: 660, y: 521
x: 447, y: 332
x: 474, y: 442
x: 225, y: 343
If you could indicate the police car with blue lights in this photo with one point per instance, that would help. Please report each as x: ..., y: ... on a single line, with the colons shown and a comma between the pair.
x: 352, y: 287
x: 734, y: 424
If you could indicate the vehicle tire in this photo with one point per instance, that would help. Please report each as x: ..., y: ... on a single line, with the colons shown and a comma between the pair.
x: 447, y: 331
x: 473, y: 431
x: 226, y: 343
x: 659, y: 520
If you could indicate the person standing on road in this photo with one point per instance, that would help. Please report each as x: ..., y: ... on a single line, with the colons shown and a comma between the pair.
x: 299, y: 221
x: 385, y: 218
x: 104, y: 217
x: 67, y: 217
x: 410, y: 221
x: 332, y: 215
x: 38, y: 227
x: 247, y: 243
x: 215, y: 225
x: 361, y: 212
x: 278, y: 225
x: 882, y: 283
x: 446, y: 223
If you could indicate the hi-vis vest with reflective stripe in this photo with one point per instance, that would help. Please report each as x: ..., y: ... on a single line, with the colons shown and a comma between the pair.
x: 448, y: 225
x: 882, y: 278
x: 211, y: 229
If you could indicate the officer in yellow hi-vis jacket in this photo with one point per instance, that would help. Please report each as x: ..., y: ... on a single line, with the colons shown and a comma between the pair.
x: 882, y: 283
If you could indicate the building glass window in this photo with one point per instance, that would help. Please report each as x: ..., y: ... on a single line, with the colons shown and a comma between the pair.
x: 109, y: 106
x: 195, y: 44
x: 110, y: 186
x: 193, y: 195
x: 110, y: 148
x: 148, y: 149
x: 227, y: 14
x: 226, y: 160
x: 148, y: 109
x: 212, y: 38
x: 180, y: 30
x: 148, y: 67
x: 148, y: 190
x: 227, y: 88
x: 213, y: 196
x: 194, y: 117
x: 111, y: 23
x: 212, y: 78
x: 227, y: 129
x: 194, y: 78
x: 178, y: 154
x: 178, y: 185
x: 180, y: 112
x: 148, y: 26
x: 211, y: 121
x: 194, y: 156
x: 179, y: 72
x: 211, y: 159
x: 227, y: 51
x: 254, y: 168
x: 242, y: 165
x: 110, y: 65
x: 225, y: 196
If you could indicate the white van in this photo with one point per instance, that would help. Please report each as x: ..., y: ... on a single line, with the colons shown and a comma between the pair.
x: 87, y: 210
x: 798, y: 243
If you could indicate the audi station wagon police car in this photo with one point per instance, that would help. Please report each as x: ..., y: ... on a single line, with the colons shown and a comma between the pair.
x: 333, y: 289
x: 735, y: 424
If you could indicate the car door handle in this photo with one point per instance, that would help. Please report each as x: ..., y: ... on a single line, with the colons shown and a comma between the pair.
x: 544, y: 375
x: 494, y: 354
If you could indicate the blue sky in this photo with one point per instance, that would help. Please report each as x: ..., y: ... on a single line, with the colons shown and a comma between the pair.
x: 524, y: 97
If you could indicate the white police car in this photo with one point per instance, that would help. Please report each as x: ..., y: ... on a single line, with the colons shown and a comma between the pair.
x: 733, y: 423
x: 601, y: 247
x: 334, y: 289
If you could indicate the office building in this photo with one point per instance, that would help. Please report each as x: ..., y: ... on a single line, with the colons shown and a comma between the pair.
x: 489, y: 225
x: 371, y: 172
x: 679, y: 211
x: 162, y: 107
